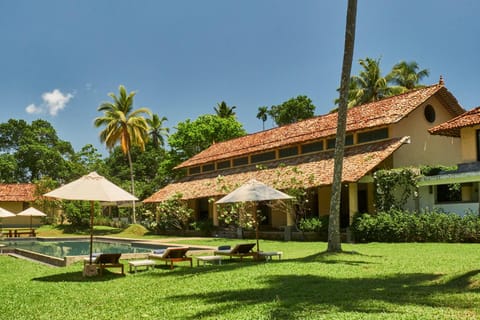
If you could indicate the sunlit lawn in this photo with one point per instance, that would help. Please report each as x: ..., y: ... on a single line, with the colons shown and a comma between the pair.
x: 371, y: 281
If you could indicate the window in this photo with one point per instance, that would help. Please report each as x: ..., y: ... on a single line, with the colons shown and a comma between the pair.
x: 449, y: 193
x: 208, y: 167
x: 240, y: 161
x: 288, y: 152
x: 348, y: 141
x: 194, y: 170
x: 372, y: 135
x: 262, y: 157
x: 223, y: 165
x: 312, y: 147
x: 429, y: 113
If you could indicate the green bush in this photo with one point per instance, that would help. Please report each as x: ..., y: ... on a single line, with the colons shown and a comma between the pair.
x: 404, y: 226
x: 310, y: 225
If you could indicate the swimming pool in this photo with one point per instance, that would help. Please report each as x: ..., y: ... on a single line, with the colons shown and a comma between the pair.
x: 63, y: 252
x: 62, y: 249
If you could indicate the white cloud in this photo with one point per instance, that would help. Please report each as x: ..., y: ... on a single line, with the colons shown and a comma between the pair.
x: 33, y: 109
x: 56, y: 101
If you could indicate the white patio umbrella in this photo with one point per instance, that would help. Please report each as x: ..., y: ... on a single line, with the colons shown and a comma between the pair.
x: 254, y: 191
x: 91, y: 187
x: 4, y: 213
x: 31, y: 212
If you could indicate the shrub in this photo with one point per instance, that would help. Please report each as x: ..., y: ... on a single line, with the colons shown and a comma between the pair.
x: 404, y: 226
x: 310, y: 224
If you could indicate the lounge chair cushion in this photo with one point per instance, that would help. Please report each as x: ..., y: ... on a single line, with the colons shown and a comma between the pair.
x: 224, y: 248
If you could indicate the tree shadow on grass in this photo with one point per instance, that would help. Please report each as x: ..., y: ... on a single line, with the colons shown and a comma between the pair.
x: 289, y: 296
x: 345, y: 257
x: 77, y: 276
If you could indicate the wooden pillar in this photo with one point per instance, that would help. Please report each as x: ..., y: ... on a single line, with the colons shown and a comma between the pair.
x: 215, y: 214
x: 353, y: 200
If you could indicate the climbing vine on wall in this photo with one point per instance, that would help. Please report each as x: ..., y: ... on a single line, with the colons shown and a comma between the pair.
x: 394, y: 187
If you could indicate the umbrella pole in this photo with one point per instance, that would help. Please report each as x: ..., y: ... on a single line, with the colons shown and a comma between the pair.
x: 256, y: 230
x: 92, y: 208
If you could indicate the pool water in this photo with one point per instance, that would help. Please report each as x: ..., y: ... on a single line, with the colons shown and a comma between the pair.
x: 62, y: 249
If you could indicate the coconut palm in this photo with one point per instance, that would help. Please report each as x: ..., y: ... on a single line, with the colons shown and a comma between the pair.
x: 123, y: 125
x: 407, y: 75
x: 369, y: 85
x: 334, y: 243
x: 262, y: 115
x: 157, y: 131
x: 223, y: 110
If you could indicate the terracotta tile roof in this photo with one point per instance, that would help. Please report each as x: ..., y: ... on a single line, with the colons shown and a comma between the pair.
x: 17, y: 192
x: 452, y: 127
x: 375, y: 114
x: 358, y: 161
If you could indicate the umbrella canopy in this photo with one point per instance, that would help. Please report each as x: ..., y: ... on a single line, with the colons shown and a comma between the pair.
x: 91, y: 187
x: 254, y: 190
x: 4, y: 213
x: 31, y: 212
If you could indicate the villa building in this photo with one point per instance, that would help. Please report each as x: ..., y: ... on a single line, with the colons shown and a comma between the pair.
x: 16, y: 197
x: 456, y: 191
x: 385, y: 134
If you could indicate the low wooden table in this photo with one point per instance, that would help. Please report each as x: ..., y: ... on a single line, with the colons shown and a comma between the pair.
x: 141, y: 263
x: 269, y: 254
x: 206, y: 259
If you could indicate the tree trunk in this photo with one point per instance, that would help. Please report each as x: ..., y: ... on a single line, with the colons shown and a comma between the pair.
x: 134, y: 219
x: 334, y: 242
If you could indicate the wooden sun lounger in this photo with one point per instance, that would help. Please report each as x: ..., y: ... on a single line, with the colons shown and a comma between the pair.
x: 172, y: 254
x: 240, y: 250
x: 106, y: 260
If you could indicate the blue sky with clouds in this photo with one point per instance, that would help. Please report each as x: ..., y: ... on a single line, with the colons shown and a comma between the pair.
x: 61, y: 58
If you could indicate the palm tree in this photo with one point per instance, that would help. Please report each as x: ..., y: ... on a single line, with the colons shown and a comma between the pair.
x: 406, y: 74
x: 369, y: 85
x: 262, y: 115
x: 224, y: 111
x: 123, y: 125
x: 157, y: 131
x: 334, y: 243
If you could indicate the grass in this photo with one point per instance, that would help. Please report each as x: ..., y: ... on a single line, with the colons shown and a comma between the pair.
x: 368, y: 281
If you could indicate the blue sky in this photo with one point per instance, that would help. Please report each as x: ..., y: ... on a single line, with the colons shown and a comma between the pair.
x: 61, y: 58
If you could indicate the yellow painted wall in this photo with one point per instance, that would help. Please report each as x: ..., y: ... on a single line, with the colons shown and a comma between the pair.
x: 469, y: 142
x: 324, y: 194
x: 278, y: 217
x: 425, y: 148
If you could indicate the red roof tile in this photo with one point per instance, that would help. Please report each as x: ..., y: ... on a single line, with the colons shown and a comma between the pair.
x: 17, y: 192
x: 452, y: 127
x: 375, y: 114
x: 358, y: 161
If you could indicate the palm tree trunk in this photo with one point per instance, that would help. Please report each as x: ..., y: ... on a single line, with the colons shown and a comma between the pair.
x: 134, y: 220
x: 334, y: 242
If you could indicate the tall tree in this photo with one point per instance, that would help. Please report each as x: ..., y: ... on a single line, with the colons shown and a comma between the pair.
x: 33, y: 151
x: 192, y: 137
x: 262, y: 115
x: 123, y: 125
x: 408, y: 75
x: 369, y: 85
x: 157, y: 131
x: 292, y: 110
x: 223, y: 110
x: 334, y: 243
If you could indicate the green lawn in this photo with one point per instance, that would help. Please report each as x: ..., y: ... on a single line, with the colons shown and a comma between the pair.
x: 372, y: 281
